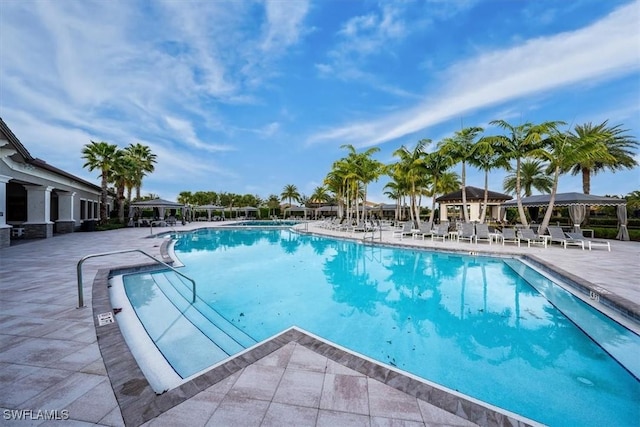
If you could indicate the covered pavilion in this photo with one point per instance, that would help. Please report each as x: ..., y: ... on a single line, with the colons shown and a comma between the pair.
x: 159, y: 204
x: 578, y: 204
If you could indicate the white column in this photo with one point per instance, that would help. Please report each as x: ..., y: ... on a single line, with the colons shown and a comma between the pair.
x: 38, y: 204
x: 443, y: 212
x: 474, y: 211
x: 4, y: 179
x: 65, y: 206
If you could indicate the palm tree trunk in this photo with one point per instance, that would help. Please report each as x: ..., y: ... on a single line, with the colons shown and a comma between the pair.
x: 523, y: 218
x: 486, y: 197
x: 586, y: 189
x: 465, y: 215
x: 103, y: 198
x: 586, y: 180
x: 552, y: 199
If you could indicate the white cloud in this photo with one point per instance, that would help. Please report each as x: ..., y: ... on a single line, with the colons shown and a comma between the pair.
x: 603, y: 50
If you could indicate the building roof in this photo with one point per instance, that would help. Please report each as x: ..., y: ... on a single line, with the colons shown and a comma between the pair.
x: 39, y: 163
x: 474, y: 194
x: 567, y: 199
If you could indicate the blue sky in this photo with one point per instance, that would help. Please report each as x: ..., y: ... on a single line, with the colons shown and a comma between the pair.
x: 248, y: 96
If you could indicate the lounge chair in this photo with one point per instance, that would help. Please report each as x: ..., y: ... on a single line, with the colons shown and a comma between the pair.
x: 482, y: 233
x: 405, y: 230
x: 509, y: 236
x: 423, y: 231
x: 557, y: 235
x: 466, y: 232
x: 441, y: 232
x: 590, y: 242
x: 530, y: 237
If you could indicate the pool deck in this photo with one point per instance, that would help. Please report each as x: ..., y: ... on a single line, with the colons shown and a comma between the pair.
x: 50, y: 358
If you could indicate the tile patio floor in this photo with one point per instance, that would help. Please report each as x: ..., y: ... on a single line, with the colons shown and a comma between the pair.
x: 50, y: 358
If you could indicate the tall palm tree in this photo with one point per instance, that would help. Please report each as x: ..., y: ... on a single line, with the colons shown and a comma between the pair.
x: 435, y: 165
x: 273, y: 202
x: 320, y: 195
x: 334, y: 181
x: 460, y: 149
x: 562, y: 151
x: 619, y: 147
x: 447, y: 182
x: 411, y: 166
x: 144, y: 160
x: 364, y: 170
x: 121, y: 175
x: 290, y: 192
x: 101, y: 156
x: 518, y: 143
x: 533, y: 175
x: 487, y: 156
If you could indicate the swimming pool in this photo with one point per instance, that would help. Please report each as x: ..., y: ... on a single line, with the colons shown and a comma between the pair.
x: 490, y: 328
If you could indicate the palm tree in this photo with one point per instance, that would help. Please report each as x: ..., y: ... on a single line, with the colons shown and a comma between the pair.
x: 619, y: 147
x: 436, y: 165
x: 363, y: 169
x: 290, y: 192
x: 273, y: 202
x: 562, y: 151
x: 144, y: 160
x: 121, y: 175
x: 533, y: 175
x: 460, y: 149
x: 487, y: 156
x: 411, y: 167
x: 320, y: 195
x: 518, y: 143
x: 101, y: 156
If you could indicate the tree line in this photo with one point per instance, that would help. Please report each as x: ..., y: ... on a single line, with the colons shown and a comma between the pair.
x: 536, y: 155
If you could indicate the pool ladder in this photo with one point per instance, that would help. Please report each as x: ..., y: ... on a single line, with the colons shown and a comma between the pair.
x: 84, y: 258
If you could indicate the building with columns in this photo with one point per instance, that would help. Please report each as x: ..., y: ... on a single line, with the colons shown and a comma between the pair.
x: 475, y: 200
x: 37, y: 199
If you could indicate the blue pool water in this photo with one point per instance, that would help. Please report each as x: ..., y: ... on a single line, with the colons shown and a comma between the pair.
x: 491, y: 328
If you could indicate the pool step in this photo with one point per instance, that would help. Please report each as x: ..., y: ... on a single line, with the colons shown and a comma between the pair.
x: 173, y: 333
x: 224, y: 333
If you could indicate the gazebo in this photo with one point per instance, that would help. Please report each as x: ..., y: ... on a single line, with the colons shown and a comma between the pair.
x: 303, y: 210
x: 326, y: 211
x: 209, y: 209
x: 577, y: 204
x: 160, y: 204
x: 475, y: 200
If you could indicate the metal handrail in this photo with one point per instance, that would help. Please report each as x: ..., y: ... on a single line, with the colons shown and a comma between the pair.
x: 84, y: 258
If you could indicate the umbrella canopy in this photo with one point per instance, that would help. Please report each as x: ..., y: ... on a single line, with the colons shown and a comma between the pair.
x: 161, y: 204
x: 566, y: 199
x: 157, y: 203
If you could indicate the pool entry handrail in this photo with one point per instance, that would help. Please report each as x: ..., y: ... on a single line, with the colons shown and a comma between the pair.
x: 86, y: 257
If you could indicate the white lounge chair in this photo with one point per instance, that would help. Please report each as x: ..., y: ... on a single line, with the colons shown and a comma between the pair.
x: 441, y: 232
x: 405, y: 230
x: 557, y: 235
x: 509, y: 236
x: 590, y: 242
x: 423, y: 231
x: 530, y: 237
x: 482, y: 233
x: 467, y: 232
